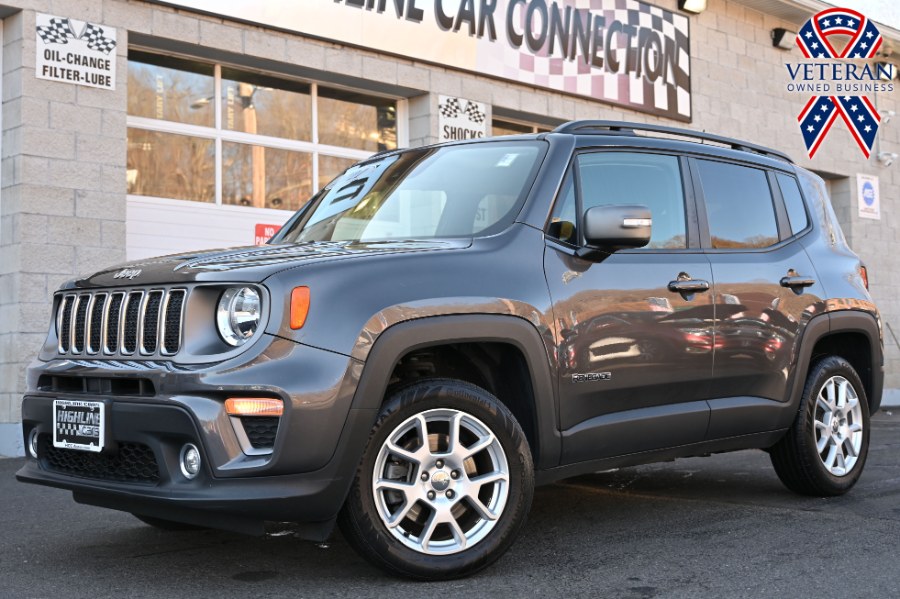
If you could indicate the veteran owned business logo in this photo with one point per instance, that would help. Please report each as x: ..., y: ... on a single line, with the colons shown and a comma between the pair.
x: 837, y: 79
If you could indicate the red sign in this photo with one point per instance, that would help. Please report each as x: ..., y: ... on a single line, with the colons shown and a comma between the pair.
x: 265, y: 232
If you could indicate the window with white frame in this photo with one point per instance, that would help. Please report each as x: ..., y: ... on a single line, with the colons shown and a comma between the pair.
x: 213, y: 133
x: 512, y: 127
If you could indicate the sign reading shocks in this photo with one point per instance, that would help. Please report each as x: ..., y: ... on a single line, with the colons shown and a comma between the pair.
x: 459, y: 118
x: 75, y: 52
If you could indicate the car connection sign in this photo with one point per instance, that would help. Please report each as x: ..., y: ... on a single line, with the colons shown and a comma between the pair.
x: 621, y: 52
x: 75, y: 52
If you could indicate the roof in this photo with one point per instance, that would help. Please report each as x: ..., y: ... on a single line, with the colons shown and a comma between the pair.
x: 625, y: 128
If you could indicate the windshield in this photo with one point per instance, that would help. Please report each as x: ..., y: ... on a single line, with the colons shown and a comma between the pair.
x: 450, y: 191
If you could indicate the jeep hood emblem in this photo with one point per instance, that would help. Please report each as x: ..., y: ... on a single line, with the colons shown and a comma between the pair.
x: 127, y: 273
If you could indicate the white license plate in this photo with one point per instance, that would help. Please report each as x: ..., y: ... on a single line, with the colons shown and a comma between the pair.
x: 78, y: 424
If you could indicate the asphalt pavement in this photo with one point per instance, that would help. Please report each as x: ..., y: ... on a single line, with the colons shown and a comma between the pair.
x: 722, y: 526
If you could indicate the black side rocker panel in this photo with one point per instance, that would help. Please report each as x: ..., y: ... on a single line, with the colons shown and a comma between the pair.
x: 754, y: 441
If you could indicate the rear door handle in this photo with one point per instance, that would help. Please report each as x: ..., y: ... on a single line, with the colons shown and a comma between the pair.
x: 795, y: 282
x: 688, y: 285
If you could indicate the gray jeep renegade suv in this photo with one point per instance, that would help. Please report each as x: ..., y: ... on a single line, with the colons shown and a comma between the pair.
x: 441, y: 328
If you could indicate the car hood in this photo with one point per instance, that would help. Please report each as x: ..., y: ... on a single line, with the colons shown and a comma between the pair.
x: 249, y: 264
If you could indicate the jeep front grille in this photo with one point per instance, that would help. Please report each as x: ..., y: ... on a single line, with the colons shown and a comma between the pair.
x: 121, y: 323
x: 171, y: 337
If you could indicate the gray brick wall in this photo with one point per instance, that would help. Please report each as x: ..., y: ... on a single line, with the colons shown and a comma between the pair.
x: 63, y: 146
x: 63, y: 190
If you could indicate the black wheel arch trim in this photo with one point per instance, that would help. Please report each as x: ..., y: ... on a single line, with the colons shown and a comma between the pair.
x: 831, y: 323
x: 401, y: 338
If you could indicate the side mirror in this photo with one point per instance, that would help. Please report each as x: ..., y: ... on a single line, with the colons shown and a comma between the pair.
x: 617, y: 227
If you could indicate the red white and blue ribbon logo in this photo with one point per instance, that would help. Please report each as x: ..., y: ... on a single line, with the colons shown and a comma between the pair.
x: 820, y: 112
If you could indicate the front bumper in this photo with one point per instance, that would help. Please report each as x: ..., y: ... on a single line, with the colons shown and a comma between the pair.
x: 239, y: 504
x: 304, y: 479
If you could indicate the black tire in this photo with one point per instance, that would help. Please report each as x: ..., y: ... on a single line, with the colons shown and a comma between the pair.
x: 168, y: 525
x: 795, y: 457
x: 364, y: 528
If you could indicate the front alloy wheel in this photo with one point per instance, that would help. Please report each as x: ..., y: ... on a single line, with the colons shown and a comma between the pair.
x: 441, y: 481
x: 445, y: 484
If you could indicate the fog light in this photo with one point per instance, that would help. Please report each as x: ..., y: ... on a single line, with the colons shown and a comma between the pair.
x: 190, y: 461
x: 33, y: 443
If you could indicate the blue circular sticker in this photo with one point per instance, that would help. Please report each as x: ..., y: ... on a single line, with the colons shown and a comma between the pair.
x: 868, y: 193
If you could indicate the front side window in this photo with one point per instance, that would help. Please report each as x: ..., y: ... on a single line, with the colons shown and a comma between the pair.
x: 652, y: 180
x: 454, y: 191
x: 739, y: 205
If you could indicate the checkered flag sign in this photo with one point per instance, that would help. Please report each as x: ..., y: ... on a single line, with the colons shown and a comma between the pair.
x: 93, y: 35
x: 475, y: 115
x: 451, y: 108
x: 59, y: 31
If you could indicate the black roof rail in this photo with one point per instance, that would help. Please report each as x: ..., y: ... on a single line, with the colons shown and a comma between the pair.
x: 628, y: 128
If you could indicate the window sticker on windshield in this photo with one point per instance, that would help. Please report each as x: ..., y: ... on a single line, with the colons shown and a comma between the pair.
x: 507, y: 159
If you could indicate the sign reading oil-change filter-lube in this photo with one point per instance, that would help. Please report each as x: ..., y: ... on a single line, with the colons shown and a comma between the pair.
x: 73, y: 51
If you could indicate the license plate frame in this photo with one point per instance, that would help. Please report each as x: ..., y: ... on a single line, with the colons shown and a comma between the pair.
x: 83, y: 425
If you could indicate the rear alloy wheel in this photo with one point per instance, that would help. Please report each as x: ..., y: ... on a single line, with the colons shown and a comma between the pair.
x: 824, y: 452
x: 838, y: 425
x: 445, y: 484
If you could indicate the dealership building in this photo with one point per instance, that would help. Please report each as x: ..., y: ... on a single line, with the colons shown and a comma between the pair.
x: 136, y: 128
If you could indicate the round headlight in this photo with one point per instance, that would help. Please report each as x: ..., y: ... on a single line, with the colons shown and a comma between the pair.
x: 238, y: 314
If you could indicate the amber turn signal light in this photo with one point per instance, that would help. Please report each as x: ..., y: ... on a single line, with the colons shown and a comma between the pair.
x: 299, y: 306
x: 864, y: 273
x: 254, y: 406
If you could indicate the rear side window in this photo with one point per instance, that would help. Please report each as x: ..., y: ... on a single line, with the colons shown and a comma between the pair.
x: 793, y: 202
x: 739, y: 205
x: 820, y: 207
x: 653, y: 180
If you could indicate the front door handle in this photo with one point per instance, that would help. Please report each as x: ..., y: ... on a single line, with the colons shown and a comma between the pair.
x: 797, y: 282
x: 688, y: 285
